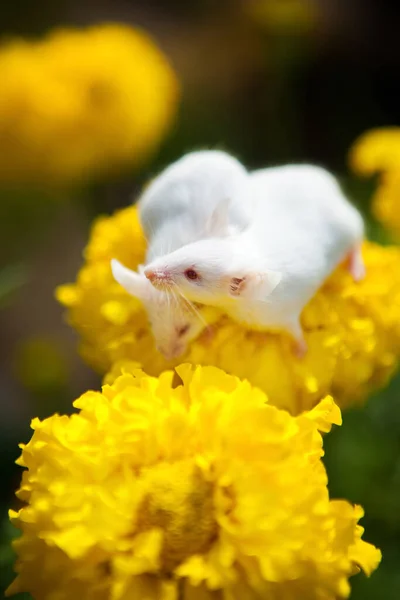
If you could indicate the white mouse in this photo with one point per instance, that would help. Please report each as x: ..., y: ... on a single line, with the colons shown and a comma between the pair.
x: 187, y: 201
x: 302, y: 228
x: 174, y: 322
x: 192, y: 199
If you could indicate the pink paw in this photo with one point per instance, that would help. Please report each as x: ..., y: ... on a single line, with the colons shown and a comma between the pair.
x: 358, y: 271
x: 356, y: 265
x: 300, y: 348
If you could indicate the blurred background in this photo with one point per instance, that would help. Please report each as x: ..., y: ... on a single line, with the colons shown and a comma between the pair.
x: 272, y: 81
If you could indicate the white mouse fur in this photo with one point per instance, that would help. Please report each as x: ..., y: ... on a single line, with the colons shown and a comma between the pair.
x: 188, y: 201
x: 173, y: 323
x: 302, y: 228
x: 191, y: 199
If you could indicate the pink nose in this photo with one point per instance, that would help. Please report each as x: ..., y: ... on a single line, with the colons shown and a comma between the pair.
x: 157, y: 277
x: 151, y: 275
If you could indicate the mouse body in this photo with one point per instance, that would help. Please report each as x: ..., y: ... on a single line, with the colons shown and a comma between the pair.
x: 190, y: 200
x: 302, y: 228
x: 186, y: 202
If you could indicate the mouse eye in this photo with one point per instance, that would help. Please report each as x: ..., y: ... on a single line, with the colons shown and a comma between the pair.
x: 182, y: 330
x: 191, y: 274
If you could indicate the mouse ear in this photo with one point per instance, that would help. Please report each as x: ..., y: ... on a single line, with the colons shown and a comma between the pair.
x: 218, y: 222
x: 134, y: 283
x: 256, y: 285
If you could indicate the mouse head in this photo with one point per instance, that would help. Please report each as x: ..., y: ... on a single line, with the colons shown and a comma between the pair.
x: 196, y: 181
x: 212, y: 272
x: 174, y: 324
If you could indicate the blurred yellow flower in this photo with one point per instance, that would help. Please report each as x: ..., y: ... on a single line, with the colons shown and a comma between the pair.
x: 352, y: 330
x: 285, y: 16
x: 378, y: 151
x: 82, y: 103
x: 159, y: 491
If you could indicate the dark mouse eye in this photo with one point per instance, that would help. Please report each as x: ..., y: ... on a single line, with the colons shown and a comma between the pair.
x: 191, y: 274
x: 182, y: 330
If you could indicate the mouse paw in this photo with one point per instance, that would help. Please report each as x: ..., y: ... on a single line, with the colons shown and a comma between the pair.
x: 356, y: 264
x: 208, y: 335
x: 300, y: 347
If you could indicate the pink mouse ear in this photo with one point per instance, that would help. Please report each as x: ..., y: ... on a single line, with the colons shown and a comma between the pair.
x: 134, y: 283
x: 255, y: 285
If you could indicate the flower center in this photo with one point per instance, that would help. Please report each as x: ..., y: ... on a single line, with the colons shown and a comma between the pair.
x: 180, y: 502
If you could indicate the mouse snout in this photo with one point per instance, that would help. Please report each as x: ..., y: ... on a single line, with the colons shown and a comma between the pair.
x: 157, y: 276
x: 150, y: 274
x: 171, y: 352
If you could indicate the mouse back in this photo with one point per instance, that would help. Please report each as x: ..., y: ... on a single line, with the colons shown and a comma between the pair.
x: 301, y: 210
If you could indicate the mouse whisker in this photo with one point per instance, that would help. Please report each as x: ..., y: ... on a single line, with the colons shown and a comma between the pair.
x: 172, y: 296
x: 191, y: 306
x: 175, y: 297
x: 173, y: 301
x: 168, y: 305
x: 146, y: 239
x: 151, y: 231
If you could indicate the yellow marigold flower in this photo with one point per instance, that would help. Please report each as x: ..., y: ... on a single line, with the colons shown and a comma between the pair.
x: 159, y: 491
x: 378, y: 151
x: 352, y: 330
x: 285, y: 16
x: 82, y: 103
